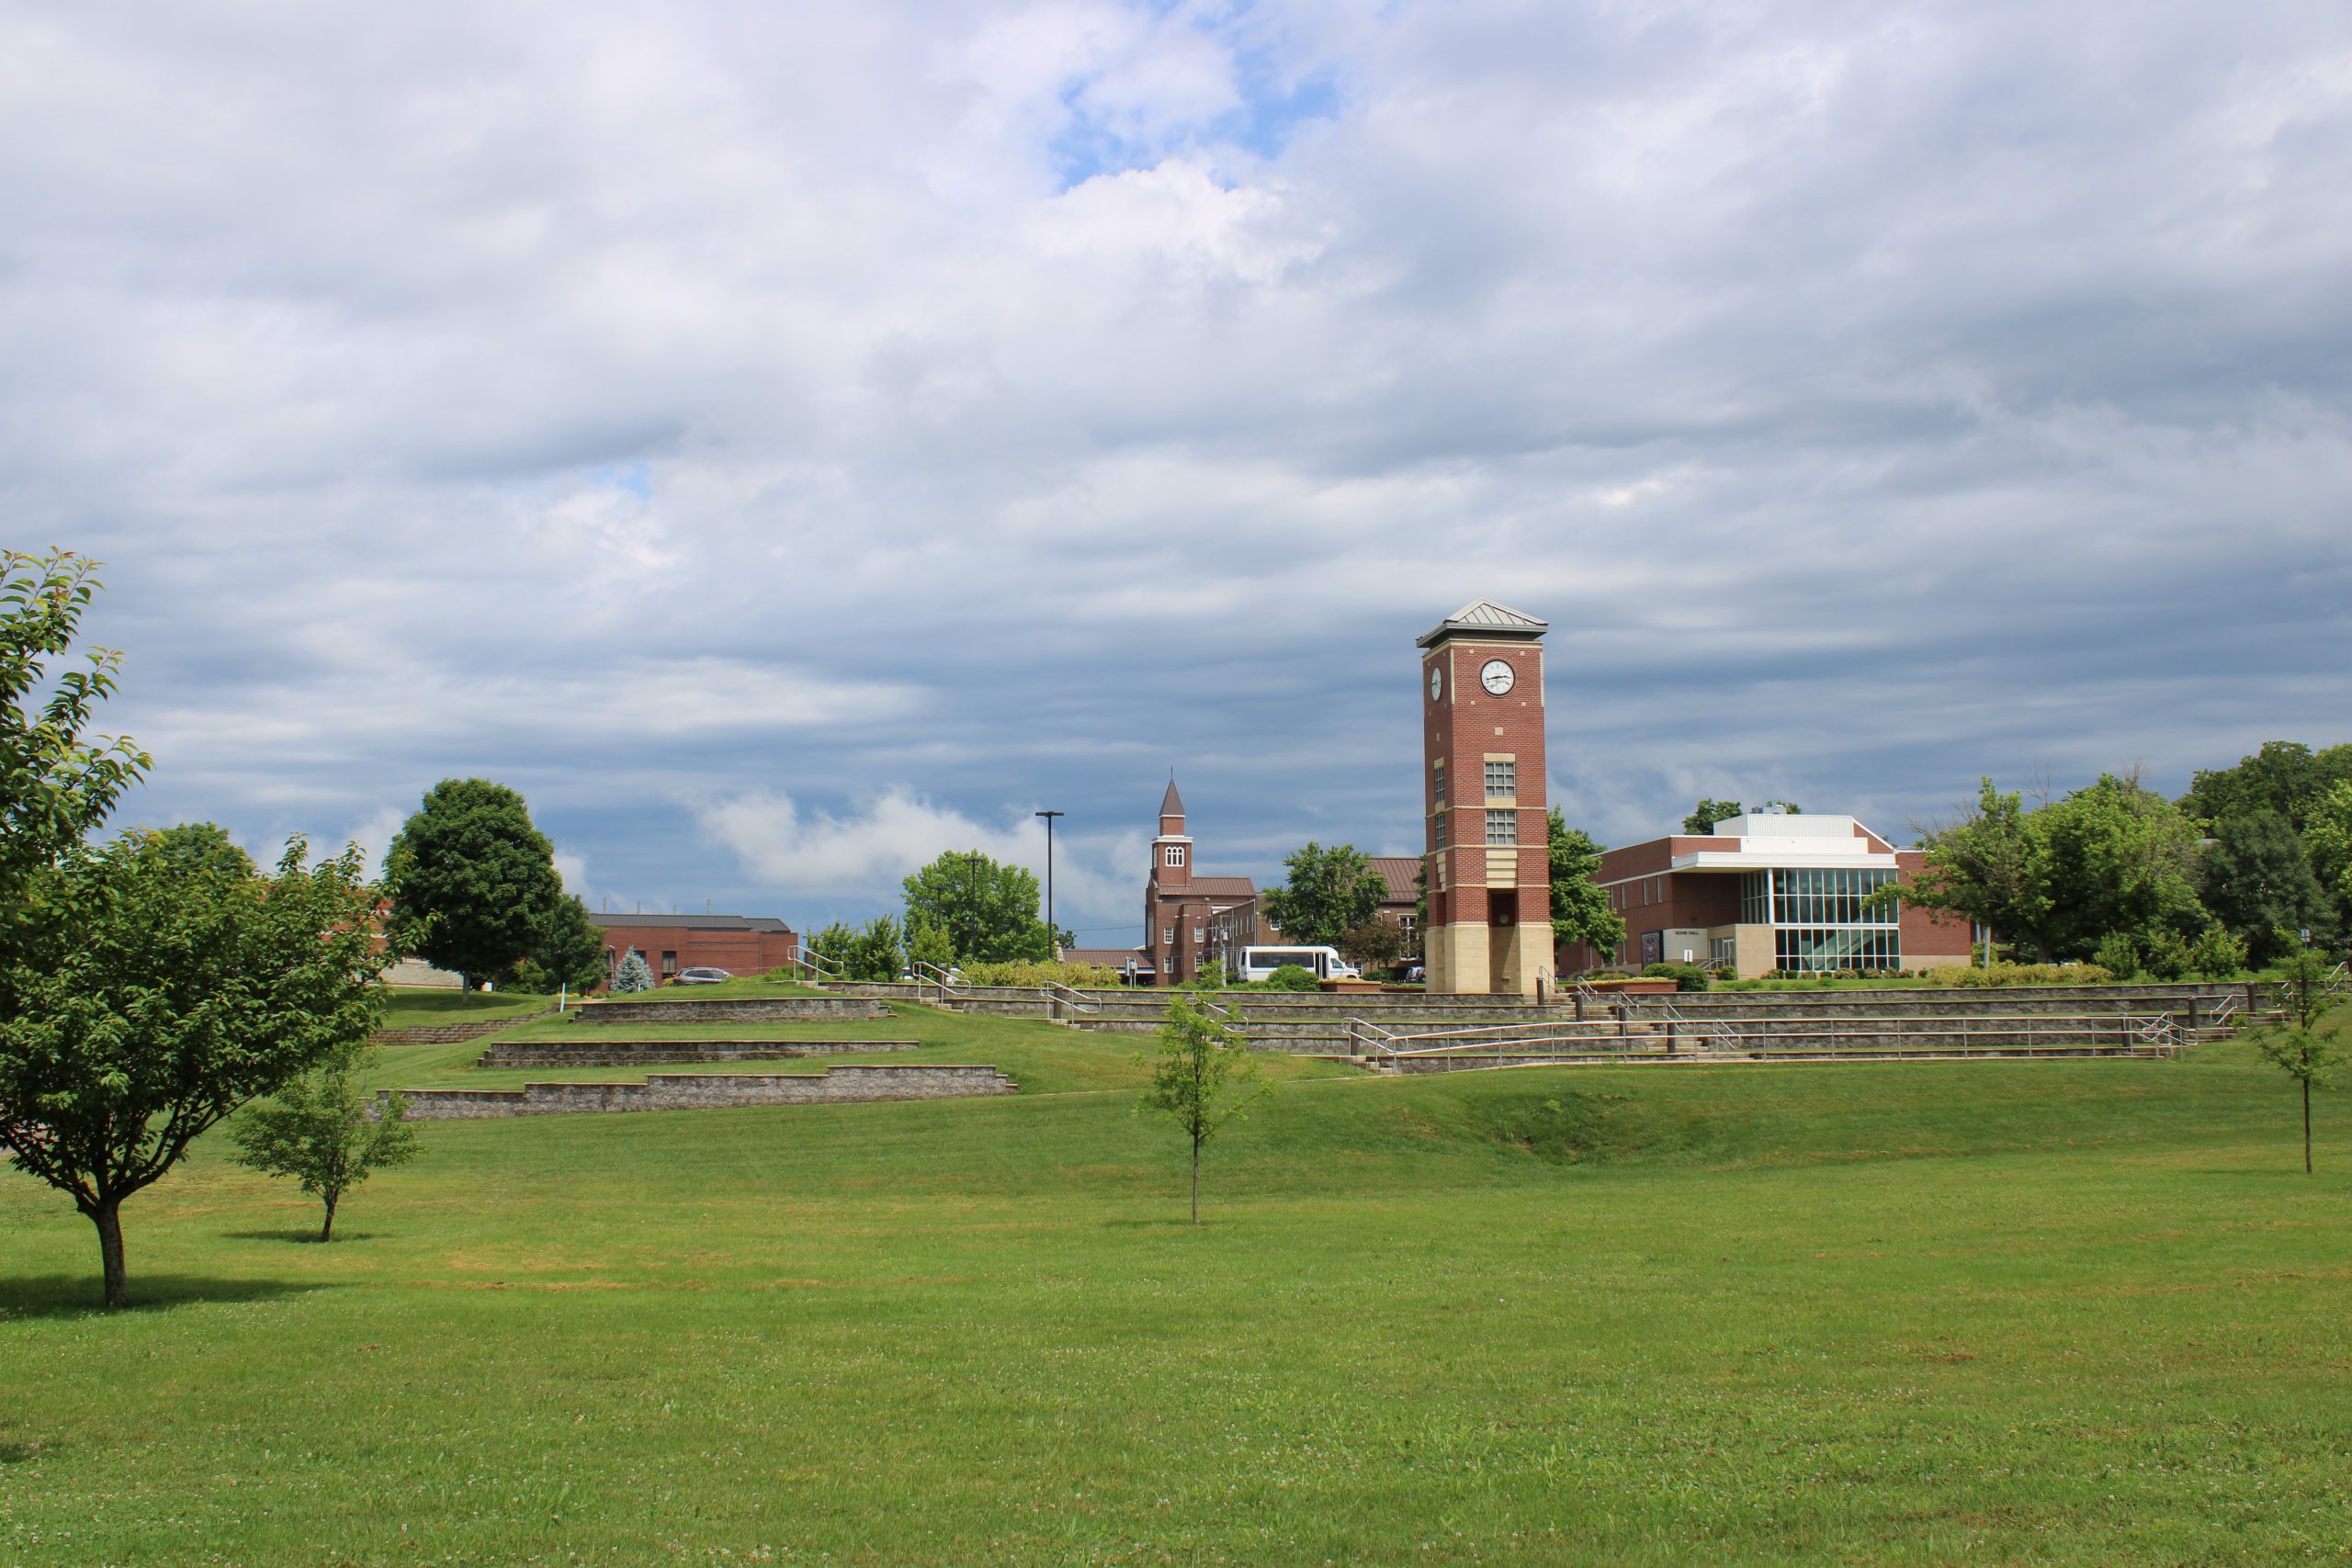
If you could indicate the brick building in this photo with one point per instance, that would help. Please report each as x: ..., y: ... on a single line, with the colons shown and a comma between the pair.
x: 1193, y: 920
x: 742, y: 944
x: 1764, y: 892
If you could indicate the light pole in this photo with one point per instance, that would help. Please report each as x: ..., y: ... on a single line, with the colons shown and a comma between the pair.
x: 1052, y: 931
x: 972, y: 859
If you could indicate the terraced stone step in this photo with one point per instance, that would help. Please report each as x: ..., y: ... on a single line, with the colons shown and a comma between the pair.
x: 632, y: 1053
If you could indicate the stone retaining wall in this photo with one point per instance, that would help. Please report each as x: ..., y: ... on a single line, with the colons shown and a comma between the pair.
x: 635, y: 1052
x: 694, y: 1091
x: 450, y: 1033
x: 733, y: 1009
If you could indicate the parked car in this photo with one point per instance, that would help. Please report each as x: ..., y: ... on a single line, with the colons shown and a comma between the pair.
x: 702, y: 977
x: 1417, y: 975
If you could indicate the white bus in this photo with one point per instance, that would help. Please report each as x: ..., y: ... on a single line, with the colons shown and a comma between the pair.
x: 1323, y: 963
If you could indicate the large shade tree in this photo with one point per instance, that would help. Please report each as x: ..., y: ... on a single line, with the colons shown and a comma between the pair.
x: 1325, y: 894
x: 147, y: 1000
x: 472, y: 884
x: 2258, y: 883
x: 988, y: 908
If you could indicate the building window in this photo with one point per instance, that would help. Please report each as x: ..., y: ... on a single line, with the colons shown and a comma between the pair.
x: 1199, y: 935
x: 1502, y: 828
x: 1438, y: 781
x: 1168, y: 936
x: 1503, y: 780
x: 1441, y: 829
x: 1172, y: 855
x: 669, y: 963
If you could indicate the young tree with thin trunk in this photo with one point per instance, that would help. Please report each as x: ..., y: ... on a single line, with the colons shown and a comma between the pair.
x: 144, y: 1001
x: 1202, y: 1078
x: 2306, y: 995
x: 318, y: 1131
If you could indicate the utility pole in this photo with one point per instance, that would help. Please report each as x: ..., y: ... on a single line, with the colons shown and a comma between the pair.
x: 1052, y: 931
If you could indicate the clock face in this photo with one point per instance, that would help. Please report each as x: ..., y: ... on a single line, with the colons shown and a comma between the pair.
x: 1437, y: 682
x: 1496, y: 677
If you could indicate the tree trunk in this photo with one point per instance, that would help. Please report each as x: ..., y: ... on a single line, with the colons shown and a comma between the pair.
x: 2306, y: 1126
x: 1196, y: 1181
x: 109, y: 1219
x: 326, y: 1232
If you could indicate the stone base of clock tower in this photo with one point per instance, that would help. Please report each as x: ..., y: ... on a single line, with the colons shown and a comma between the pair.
x: 1472, y: 958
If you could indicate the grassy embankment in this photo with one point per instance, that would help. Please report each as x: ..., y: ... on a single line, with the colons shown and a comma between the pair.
x: 2085, y: 1313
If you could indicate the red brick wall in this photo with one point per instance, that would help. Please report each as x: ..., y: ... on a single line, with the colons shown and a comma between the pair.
x: 741, y: 953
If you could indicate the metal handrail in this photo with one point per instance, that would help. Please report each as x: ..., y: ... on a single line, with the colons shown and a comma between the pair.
x: 1068, y: 996
x: 929, y: 974
x: 1359, y: 1036
x: 2231, y: 1004
x: 819, y: 967
x: 2162, y: 1033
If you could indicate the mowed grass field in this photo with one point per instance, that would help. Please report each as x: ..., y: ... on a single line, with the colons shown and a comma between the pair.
x: 2047, y: 1313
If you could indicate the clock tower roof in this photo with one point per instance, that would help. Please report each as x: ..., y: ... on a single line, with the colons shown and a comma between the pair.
x: 1487, y: 620
x: 1171, y: 804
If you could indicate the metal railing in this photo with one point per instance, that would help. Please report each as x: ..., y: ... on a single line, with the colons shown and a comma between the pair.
x: 2231, y: 1004
x: 1058, y: 996
x: 815, y: 967
x: 932, y: 976
x: 1714, y: 1034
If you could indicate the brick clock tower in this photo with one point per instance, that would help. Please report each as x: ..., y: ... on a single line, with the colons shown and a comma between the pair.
x: 1488, y: 853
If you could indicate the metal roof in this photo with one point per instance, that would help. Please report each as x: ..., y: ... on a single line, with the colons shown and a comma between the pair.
x: 1401, y: 873
x: 691, y: 922
x: 1171, y: 804
x: 1484, y: 617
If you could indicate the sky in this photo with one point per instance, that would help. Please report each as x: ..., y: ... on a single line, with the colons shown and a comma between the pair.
x: 789, y: 442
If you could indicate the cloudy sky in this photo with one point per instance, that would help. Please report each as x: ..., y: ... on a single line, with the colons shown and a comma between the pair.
x: 788, y: 440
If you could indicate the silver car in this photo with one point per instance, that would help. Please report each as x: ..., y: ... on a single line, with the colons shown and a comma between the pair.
x: 702, y: 977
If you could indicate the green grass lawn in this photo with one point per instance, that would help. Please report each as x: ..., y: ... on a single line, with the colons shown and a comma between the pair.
x: 2046, y: 1312
x: 415, y: 1007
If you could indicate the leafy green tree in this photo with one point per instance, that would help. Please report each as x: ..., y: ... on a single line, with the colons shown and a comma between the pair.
x: 1581, y: 910
x: 1202, y: 1077
x: 1325, y: 894
x: 876, y: 952
x: 832, y: 945
x: 1707, y: 813
x: 56, y: 785
x: 2285, y: 776
x: 318, y: 1131
x: 471, y: 881
x: 2117, y: 857
x: 204, y: 846
x: 1987, y: 866
x: 987, y: 908
x: 2328, y: 840
x: 143, y: 1002
x: 632, y: 975
x: 567, y: 948
x: 2257, y: 882
x: 1376, y: 945
x: 2306, y: 995
x: 929, y: 944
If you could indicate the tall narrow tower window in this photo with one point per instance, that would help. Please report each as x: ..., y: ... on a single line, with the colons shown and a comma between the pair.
x: 1437, y: 775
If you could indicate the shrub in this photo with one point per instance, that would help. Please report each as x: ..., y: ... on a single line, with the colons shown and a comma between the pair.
x: 1963, y: 975
x: 2117, y: 952
x: 1040, y: 972
x: 1292, y: 977
x: 634, y: 975
x: 1685, y: 977
x: 2216, y: 955
x: 2168, y: 956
